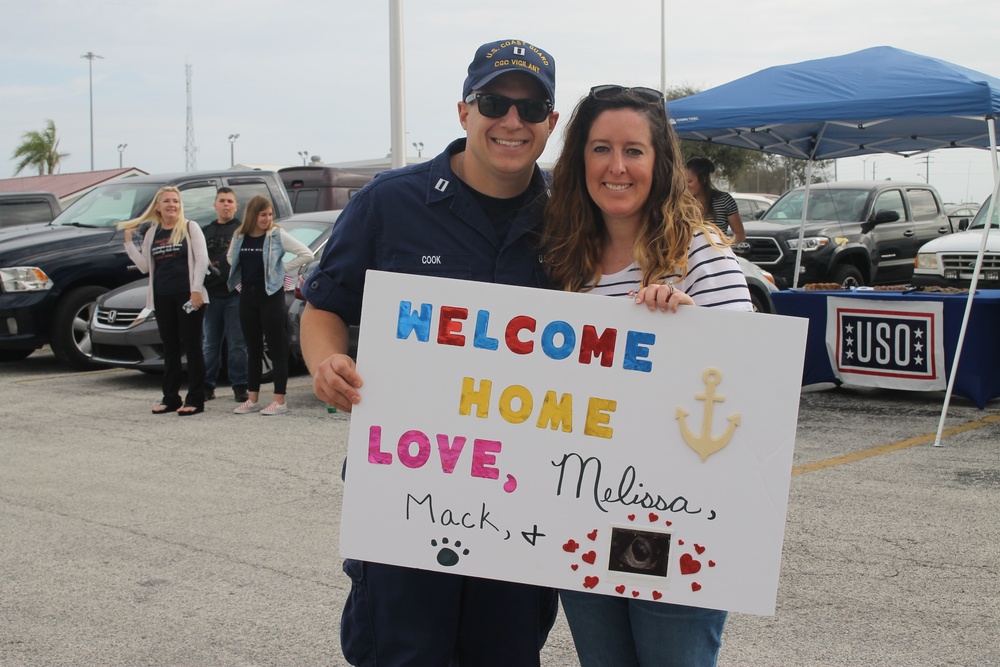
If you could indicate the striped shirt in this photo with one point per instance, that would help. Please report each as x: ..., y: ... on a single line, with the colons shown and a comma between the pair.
x: 714, y: 278
x: 723, y: 206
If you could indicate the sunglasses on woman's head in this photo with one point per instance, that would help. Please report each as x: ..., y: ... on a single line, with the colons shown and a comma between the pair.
x: 491, y: 105
x: 610, y: 91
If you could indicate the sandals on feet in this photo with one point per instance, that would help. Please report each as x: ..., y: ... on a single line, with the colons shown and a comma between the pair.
x: 164, y: 408
x: 189, y: 410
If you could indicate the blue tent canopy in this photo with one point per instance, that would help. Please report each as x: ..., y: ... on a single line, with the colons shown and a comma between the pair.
x: 878, y: 100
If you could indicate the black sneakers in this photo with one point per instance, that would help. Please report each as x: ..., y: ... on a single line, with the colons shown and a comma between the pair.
x: 240, y: 394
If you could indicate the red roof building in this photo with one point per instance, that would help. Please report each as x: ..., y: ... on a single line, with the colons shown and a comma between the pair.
x: 67, y: 187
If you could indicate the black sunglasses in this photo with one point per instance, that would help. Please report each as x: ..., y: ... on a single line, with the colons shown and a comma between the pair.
x: 610, y: 91
x: 491, y: 105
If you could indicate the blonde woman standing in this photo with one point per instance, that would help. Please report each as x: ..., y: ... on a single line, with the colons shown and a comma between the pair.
x: 174, y: 254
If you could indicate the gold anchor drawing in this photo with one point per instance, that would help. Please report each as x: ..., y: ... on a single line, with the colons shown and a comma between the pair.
x: 704, y: 443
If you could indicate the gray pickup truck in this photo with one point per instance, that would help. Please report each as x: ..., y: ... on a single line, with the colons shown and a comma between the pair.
x: 856, y: 233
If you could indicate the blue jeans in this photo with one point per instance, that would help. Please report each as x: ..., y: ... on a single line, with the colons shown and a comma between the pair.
x: 619, y: 632
x: 222, y: 322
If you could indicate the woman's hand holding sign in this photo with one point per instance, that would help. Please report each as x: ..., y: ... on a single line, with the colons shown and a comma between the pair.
x: 663, y: 297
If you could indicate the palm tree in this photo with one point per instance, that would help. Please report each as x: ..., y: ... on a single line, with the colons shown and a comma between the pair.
x: 39, y: 149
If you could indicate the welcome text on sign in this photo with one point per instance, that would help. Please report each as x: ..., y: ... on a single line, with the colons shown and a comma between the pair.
x: 558, y: 339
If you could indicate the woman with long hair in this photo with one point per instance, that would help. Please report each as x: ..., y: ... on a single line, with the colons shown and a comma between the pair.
x: 174, y: 254
x: 258, y: 271
x: 717, y: 206
x: 620, y: 222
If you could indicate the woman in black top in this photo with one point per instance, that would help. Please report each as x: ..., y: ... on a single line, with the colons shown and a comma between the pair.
x: 259, y: 272
x: 174, y: 254
x: 719, y: 207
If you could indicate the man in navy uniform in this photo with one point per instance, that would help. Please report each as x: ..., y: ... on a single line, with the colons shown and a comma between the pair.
x: 475, y: 209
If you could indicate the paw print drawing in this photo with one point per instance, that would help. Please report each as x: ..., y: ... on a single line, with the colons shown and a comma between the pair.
x: 448, y: 555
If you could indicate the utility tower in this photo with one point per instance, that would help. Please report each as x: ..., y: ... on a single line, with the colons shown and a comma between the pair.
x: 190, y: 160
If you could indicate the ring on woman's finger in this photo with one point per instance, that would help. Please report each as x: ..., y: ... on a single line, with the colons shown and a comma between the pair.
x: 671, y: 287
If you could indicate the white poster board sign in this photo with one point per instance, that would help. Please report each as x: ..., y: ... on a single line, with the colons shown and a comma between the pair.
x: 885, y: 343
x: 573, y: 441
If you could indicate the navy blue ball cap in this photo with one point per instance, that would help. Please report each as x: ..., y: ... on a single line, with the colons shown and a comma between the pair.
x: 511, y: 55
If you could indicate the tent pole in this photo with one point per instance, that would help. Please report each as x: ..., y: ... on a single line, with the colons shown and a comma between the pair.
x: 663, y: 46
x: 802, y: 223
x: 991, y: 209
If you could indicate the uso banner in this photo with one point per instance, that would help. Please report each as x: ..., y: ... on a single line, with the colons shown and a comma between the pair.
x: 573, y: 441
x: 887, y: 344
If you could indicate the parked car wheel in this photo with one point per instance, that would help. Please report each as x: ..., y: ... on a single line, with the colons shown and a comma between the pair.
x: 267, y: 367
x: 759, y: 301
x: 848, y: 276
x: 70, y: 335
x: 760, y: 284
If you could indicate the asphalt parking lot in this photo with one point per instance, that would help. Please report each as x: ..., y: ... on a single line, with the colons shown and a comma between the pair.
x: 133, y: 539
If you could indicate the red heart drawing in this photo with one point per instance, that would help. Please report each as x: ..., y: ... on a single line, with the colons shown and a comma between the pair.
x: 689, y: 565
x: 631, y: 517
x: 574, y: 566
x: 590, y: 582
x: 670, y: 523
x: 571, y: 546
x: 700, y: 549
x: 635, y: 594
x: 711, y: 563
x: 654, y: 517
x: 680, y: 541
x: 592, y: 535
x: 695, y: 586
x: 657, y: 595
x: 620, y: 589
x: 589, y: 557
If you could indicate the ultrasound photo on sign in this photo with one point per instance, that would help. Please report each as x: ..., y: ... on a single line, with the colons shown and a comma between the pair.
x: 639, y: 552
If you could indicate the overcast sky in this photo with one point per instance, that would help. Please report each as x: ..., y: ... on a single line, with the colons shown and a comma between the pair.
x: 313, y: 75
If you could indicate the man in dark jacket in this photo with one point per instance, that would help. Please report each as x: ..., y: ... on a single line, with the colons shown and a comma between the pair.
x: 475, y: 209
x: 222, y: 319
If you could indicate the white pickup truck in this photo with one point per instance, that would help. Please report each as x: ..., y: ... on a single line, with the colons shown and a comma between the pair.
x: 949, y: 261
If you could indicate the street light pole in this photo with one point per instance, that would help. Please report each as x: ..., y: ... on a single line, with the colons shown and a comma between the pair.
x: 232, y: 149
x: 419, y: 145
x: 303, y: 155
x: 121, y: 152
x: 90, y: 55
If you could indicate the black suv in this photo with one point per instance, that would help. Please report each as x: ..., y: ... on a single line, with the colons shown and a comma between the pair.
x: 51, y: 275
x: 857, y: 233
